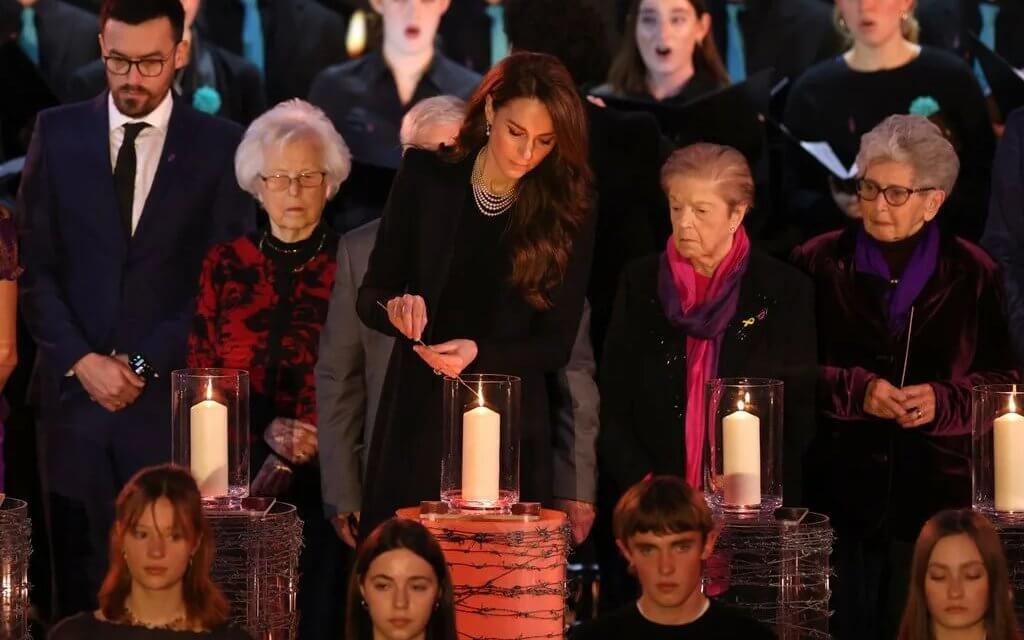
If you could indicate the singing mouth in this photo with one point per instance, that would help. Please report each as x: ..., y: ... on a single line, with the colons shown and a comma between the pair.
x: 663, y: 52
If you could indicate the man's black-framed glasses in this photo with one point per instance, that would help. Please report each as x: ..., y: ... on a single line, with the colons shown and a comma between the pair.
x: 894, y: 194
x: 306, y: 180
x: 148, y: 67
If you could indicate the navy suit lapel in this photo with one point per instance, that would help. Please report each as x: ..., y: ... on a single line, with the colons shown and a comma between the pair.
x: 173, y: 162
x: 95, y: 170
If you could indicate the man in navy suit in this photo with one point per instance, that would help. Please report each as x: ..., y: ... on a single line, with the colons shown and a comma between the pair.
x: 120, y: 198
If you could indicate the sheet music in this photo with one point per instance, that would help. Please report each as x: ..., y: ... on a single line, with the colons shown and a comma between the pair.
x: 12, y: 167
x: 823, y: 153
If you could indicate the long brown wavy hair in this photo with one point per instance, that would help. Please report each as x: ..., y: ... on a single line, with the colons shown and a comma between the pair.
x: 204, y: 602
x: 628, y: 74
x: 555, y: 197
x: 1000, y: 623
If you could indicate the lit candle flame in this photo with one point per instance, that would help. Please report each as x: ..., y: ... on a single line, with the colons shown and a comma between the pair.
x: 209, y: 389
x: 480, y: 393
x: 1013, y: 405
x: 355, y: 39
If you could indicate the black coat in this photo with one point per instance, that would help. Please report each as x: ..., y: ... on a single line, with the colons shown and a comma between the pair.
x: 948, y: 23
x: 413, y: 253
x: 300, y: 38
x: 786, y: 35
x: 626, y: 154
x: 67, y: 39
x: 643, y: 371
x: 235, y: 79
x: 465, y: 34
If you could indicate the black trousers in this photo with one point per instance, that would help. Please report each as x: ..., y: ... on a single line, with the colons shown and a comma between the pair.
x: 872, y: 575
x: 88, y: 454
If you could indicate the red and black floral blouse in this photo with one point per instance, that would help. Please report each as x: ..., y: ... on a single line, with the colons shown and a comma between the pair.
x: 261, y: 311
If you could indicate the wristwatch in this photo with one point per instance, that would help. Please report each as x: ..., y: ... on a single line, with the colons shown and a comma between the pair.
x: 141, y: 366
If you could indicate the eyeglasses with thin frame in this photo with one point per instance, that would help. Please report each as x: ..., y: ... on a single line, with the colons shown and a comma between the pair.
x: 894, y: 194
x: 282, y: 181
x: 148, y: 67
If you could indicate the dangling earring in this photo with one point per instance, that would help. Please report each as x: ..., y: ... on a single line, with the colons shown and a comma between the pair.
x: 488, y: 129
x: 842, y: 22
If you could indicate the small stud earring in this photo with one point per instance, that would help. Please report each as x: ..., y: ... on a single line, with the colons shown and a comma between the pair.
x: 904, y: 16
x: 362, y: 602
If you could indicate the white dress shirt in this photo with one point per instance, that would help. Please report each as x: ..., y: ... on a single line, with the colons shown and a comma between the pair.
x: 148, y: 148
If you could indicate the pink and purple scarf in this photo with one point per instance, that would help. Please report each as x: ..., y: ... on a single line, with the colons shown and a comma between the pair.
x: 704, y: 322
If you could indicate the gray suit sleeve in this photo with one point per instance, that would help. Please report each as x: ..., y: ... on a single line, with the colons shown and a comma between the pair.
x: 341, y: 394
x: 577, y: 420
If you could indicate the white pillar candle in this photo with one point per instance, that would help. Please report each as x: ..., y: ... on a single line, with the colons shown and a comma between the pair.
x: 741, y: 444
x: 481, y: 453
x: 1008, y: 451
x: 209, y: 446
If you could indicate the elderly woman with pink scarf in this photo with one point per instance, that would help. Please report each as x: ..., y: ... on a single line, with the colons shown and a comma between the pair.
x: 709, y: 306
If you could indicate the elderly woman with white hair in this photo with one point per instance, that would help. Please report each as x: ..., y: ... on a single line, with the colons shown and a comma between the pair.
x: 262, y: 303
x: 910, y: 318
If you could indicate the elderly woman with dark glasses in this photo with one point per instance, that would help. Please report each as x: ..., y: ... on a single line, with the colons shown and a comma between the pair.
x: 909, y: 320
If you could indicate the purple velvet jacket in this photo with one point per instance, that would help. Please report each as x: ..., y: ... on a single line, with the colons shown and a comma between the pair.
x: 873, y: 474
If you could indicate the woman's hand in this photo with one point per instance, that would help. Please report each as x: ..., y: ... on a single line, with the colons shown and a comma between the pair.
x: 292, y: 439
x: 346, y: 525
x: 449, y: 358
x: 919, y: 405
x: 581, y: 517
x: 408, y: 314
x: 884, y: 400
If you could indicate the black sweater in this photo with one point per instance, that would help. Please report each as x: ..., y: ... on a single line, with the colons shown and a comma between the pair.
x: 717, y: 623
x: 833, y: 103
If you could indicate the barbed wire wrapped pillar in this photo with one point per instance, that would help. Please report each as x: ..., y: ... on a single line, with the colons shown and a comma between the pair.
x: 508, y: 572
x: 775, y: 569
x: 256, y: 564
x: 1011, y: 533
x: 15, y: 549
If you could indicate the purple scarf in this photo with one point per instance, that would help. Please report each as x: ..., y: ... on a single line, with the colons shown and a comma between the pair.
x: 868, y: 258
x: 704, y: 323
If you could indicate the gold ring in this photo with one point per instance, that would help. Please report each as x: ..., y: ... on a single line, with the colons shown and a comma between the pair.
x: 919, y: 414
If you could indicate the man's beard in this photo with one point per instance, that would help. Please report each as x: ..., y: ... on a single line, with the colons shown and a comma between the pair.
x: 138, y: 103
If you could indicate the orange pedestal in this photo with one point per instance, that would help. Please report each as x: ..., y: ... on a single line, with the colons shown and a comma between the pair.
x: 509, y: 575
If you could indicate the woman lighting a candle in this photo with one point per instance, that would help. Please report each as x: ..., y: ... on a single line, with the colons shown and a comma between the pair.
x: 709, y: 306
x: 910, y: 319
x: 492, y: 238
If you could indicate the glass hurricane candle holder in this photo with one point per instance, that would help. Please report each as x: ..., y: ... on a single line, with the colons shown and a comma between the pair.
x: 210, y: 430
x: 480, y: 460
x: 997, y: 450
x: 743, y: 447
